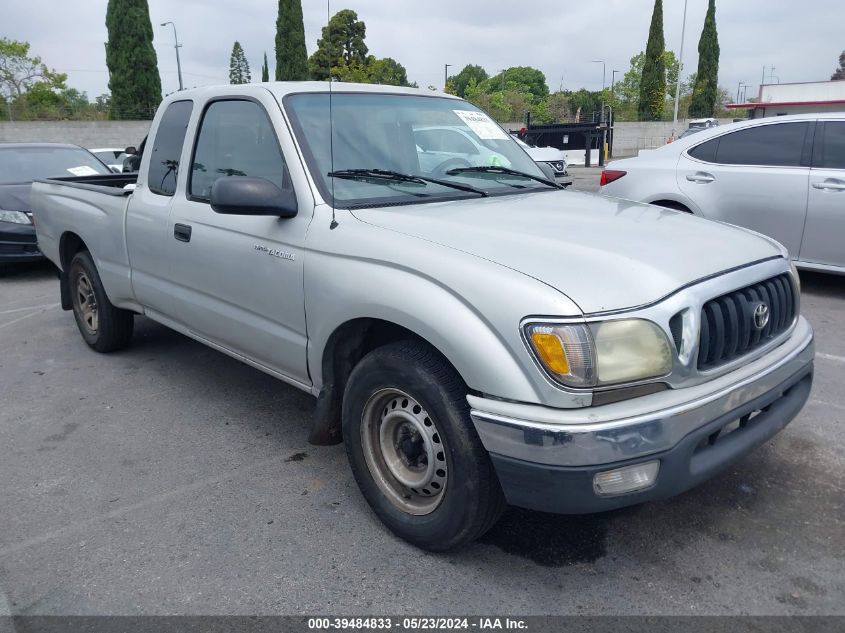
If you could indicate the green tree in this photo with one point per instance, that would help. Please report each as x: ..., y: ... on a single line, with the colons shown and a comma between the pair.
x: 522, y: 79
x: 839, y: 73
x: 291, y: 55
x: 342, y: 38
x: 653, y: 83
x: 626, y: 92
x: 705, y: 93
x: 265, y: 69
x: 470, y: 72
x: 372, y: 70
x: 19, y: 72
x: 238, y: 66
x: 133, y: 68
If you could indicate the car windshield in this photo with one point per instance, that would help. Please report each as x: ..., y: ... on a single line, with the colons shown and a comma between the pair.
x: 25, y: 164
x: 424, y: 136
x: 110, y: 156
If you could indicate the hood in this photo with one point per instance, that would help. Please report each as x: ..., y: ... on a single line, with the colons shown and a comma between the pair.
x: 545, y: 154
x: 15, y: 197
x: 603, y: 253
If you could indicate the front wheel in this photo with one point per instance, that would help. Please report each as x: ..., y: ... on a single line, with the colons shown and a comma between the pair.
x: 413, y: 449
x: 104, y: 327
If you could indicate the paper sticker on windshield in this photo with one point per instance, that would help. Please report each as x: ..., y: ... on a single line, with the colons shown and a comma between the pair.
x: 481, y: 124
x: 83, y: 170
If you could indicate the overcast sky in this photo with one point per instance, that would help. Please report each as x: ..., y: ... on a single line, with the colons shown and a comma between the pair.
x: 801, y: 40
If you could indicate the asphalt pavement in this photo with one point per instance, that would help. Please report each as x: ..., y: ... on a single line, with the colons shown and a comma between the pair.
x: 171, y: 479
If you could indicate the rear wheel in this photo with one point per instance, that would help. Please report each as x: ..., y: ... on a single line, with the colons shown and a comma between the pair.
x: 413, y: 449
x: 677, y: 206
x: 104, y: 327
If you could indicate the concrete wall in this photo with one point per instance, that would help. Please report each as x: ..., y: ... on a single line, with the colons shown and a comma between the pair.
x: 630, y: 137
x: 85, y: 133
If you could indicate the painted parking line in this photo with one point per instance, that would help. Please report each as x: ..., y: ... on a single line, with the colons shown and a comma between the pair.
x: 40, y: 307
x: 31, y: 312
x: 835, y: 359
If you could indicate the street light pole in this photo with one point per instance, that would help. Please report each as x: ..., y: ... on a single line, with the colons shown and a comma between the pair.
x: 678, y: 79
x: 446, y: 76
x: 177, y: 46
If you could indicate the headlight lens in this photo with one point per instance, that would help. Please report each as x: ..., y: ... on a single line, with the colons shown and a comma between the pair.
x: 18, y: 217
x: 602, y: 353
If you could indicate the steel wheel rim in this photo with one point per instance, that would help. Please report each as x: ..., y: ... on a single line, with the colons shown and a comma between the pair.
x: 404, y: 451
x: 85, y: 302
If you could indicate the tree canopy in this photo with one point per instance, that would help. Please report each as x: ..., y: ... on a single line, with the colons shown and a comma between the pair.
x: 458, y: 83
x: 839, y: 73
x: 342, y: 40
x: 653, y: 82
x: 238, y: 66
x: 265, y: 69
x: 133, y: 67
x: 291, y: 54
x: 705, y: 93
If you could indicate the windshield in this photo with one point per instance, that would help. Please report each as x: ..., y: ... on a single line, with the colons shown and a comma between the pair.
x: 111, y: 156
x: 432, y: 137
x: 25, y: 164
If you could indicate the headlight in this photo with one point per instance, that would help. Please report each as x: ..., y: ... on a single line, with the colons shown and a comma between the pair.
x: 18, y: 217
x: 602, y: 353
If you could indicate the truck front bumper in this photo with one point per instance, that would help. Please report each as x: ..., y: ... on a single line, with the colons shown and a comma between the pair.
x: 547, y: 459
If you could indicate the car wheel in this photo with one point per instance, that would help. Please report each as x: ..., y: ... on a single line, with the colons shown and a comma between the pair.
x: 104, y: 327
x: 413, y: 449
x: 676, y: 206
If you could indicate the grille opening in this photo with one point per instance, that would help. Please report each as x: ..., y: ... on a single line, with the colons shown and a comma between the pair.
x: 728, y: 329
x: 676, y: 327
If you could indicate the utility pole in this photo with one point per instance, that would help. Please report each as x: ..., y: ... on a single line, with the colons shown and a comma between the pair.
x: 446, y: 76
x: 603, y: 83
x: 678, y: 80
x: 177, y: 46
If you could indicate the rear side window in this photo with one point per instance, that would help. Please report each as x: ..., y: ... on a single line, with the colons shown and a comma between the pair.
x: 167, y: 148
x: 779, y: 144
x: 833, y: 145
x: 705, y: 151
x: 236, y: 139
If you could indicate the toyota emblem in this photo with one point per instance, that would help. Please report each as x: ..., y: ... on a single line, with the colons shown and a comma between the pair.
x: 761, y: 316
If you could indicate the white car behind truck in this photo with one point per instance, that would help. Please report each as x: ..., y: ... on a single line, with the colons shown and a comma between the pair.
x: 475, y: 335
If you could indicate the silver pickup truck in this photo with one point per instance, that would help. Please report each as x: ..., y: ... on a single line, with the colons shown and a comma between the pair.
x: 476, y: 336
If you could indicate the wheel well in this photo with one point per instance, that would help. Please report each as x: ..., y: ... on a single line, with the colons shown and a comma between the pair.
x: 347, y: 345
x: 69, y: 245
x: 671, y: 204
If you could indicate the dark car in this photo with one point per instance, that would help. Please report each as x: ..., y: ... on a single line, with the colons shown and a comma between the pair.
x: 20, y: 164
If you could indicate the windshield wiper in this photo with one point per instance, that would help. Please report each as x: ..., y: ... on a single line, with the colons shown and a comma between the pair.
x: 492, y: 169
x: 395, y: 176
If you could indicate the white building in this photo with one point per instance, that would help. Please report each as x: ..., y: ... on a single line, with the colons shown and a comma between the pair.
x: 800, y: 98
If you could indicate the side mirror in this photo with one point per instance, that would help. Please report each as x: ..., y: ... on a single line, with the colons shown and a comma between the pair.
x: 131, y: 150
x: 243, y: 195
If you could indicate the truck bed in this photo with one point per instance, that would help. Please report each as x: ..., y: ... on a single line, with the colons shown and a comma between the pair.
x: 109, y: 184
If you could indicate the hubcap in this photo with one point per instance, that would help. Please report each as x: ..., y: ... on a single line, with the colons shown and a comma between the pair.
x: 404, y: 451
x: 85, y: 303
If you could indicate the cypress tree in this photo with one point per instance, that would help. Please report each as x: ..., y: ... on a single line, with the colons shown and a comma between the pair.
x: 265, y: 69
x: 706, y: 89
x: 653, y: 83
x: 238, y: 66
x: 134, y: 81
x: 291, y: 55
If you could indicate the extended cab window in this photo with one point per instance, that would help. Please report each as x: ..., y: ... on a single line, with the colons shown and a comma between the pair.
x: 236, y: 139
x: 778, y: 144
x: 167, y: 148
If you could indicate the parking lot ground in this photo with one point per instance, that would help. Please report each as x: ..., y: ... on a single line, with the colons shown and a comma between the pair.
x: 171, y: 479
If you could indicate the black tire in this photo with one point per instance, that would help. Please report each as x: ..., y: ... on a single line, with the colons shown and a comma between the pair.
x: 111, y: 329
x: 471, y: 500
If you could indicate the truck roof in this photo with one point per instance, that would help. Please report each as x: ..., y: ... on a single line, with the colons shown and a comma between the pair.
x: 282, y: 88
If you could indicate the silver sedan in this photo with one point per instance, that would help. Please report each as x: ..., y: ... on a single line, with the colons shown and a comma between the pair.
x: 783, y: 177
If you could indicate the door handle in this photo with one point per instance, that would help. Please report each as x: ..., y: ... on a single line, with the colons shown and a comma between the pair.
x: 182, y: 232
x: 831, y: 184
x: 701, y: 178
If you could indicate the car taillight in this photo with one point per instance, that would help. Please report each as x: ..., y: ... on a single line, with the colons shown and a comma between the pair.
x: 610, y: 175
